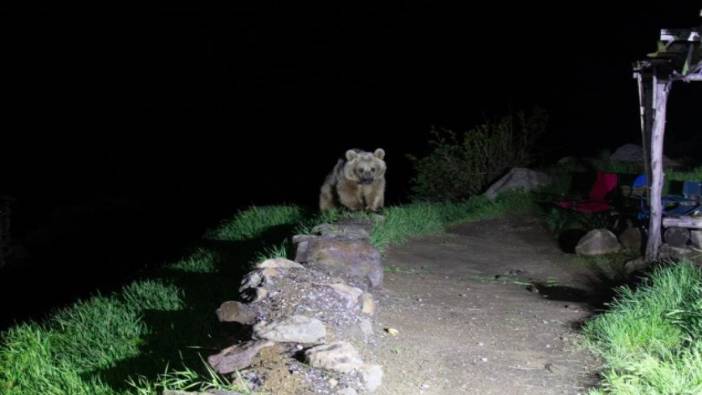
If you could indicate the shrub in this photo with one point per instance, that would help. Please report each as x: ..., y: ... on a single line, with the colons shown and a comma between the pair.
x: 458, y: 167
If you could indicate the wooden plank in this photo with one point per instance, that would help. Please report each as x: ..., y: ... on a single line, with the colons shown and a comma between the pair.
x: 689, y: 35
x: 683, y: 222
x: 661, y: 89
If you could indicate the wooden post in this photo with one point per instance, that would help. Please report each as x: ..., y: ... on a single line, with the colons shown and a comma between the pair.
x: 661, y: 89
x: 645, y: 104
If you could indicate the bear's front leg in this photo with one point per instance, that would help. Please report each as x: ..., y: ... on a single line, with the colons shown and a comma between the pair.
x: 375, y: 197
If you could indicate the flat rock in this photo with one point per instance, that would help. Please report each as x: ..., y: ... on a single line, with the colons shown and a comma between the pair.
x: 347, y: 391
x: 295, y: 329
x: 348, y: 293
x: 368, y: 304
x: 349, y: 231
x: 232, y: 311
x: 339, y: 356
x: 237, y: 357
x: 371, y: 376
x: 279, y: 263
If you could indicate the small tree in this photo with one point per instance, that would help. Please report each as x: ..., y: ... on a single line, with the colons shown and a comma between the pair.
x: 458, y: 167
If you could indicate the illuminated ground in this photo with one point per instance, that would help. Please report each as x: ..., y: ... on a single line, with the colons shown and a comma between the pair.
x: 468, y: 321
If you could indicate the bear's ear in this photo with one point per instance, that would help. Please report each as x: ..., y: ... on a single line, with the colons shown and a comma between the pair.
x: 379, y: 153
x: 351, y: 155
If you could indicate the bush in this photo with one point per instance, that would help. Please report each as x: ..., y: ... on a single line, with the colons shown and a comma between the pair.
x: 461, y: 166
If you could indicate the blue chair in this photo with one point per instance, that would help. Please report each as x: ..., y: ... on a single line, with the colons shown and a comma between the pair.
x: 673, y: 205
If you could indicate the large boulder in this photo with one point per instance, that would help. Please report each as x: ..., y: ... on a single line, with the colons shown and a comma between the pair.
x: 631, y: 239
x: 634, y: 153
x: 598, y: 242
x: 518, y: 178
x: 355, y: 260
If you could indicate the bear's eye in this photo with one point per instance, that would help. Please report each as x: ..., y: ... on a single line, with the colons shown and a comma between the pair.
x: 373, y: 169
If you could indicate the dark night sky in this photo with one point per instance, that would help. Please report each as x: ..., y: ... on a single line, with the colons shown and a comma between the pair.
x: 188, y: 114
x: 217, y: 103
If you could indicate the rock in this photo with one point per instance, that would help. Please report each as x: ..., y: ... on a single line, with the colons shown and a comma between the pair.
x: 348, y: 231
x: 255, y: 295
x: 597, y: 242
x: 631, y: 239
x: 368, y: 304
x: 279, y: 263
x: 634, y: 153
x: 668, y: 251
x: 295, y: 329
x: 371, y: 377
x: 676, y: 237
x: 232, y: 311
x: 237, y: 357
x: 251, y: 280
x: 392, y: 331
x: 635, y: 265
x: 339, y: 356
x: 517, y: 178
x: 211, y: 392
x: 347, y: 391
x: 175, y: 392
x: 366, y: 327
x: 696, y: 238
x: 354, y: 260
x: 269, y: 274
x: 348, y: 293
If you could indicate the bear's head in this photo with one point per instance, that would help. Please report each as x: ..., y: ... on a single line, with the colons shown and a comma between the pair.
x: 365, y: 167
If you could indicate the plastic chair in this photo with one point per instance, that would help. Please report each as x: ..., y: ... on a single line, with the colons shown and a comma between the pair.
x: 598, y: 200
x: 673, y: 205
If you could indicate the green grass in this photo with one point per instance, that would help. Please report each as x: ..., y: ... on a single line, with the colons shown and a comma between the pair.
x: 650, y: 338
x: 251, y: 223
x: 417, y: 219
x: 692, y: 175
x: 148, y: 336
x: 154, y: 333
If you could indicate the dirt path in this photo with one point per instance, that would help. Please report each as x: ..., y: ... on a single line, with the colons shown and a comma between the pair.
x: 462, y: 330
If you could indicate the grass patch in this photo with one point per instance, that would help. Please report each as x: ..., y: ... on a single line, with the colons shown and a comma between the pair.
x: 249, y: 224
x: 650, y: 338
x: 691, y: 175
x: 130, y: 341
x: 417, y: 219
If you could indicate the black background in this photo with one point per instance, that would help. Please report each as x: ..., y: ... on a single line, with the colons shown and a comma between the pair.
x: 177, y: 116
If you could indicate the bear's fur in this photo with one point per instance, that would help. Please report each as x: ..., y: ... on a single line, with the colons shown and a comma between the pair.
x: 357, y: 183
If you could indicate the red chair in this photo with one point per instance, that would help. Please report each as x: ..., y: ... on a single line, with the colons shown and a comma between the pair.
x: 598, y: 201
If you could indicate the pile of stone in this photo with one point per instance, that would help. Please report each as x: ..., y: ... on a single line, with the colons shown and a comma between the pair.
x: 313, y: 316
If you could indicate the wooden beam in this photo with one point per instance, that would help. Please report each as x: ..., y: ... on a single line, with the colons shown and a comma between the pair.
x: 645, y: 100
x: 661, y: 89
x: 692, y: 78
x: 683, y: 222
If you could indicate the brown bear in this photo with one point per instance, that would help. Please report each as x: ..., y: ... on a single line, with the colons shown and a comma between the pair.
x: 357, y: 183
